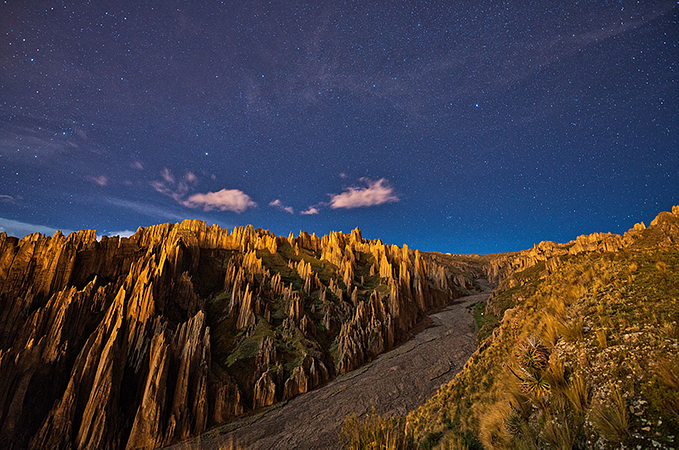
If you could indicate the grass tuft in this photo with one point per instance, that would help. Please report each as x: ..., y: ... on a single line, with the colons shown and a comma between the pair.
x: 612, y: 420
x: 577, y: 393
x: 375, y: 432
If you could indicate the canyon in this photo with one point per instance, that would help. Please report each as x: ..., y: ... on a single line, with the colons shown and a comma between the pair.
x: 145, y: 341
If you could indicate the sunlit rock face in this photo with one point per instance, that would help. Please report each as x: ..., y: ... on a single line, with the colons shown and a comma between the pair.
x: 143, y: 341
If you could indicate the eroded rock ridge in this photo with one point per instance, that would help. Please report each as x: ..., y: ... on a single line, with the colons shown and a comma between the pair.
x: 141, y: 342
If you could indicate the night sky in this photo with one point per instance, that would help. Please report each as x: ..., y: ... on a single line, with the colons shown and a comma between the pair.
x: 462, y: 127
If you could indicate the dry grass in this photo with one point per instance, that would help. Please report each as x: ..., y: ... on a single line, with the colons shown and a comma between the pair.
x: 602, y: 338
x: 577, y: 393
x: 375, y: 432
x: 559, y: 435
x: 493, y: 427
x: 612, y: 419
x: 573, y: 330
x: 627, y: 305
x: 670, y: 330
x: 662, y: 267
x: 453, y: 442
x: 668, y: 375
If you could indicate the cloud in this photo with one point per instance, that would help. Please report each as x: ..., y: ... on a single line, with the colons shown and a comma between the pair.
x: 145, y: 209
x: 224, y: 200
x: 122, y: 234
x: 279, y: 204
x: 137, y: 165
x: 21, y: 229
x: 309, y: 211
x: 100, y: 180
x: 167, y: 175
x: 173, y: 189
x: 6, y: 198
x: 190, y: 177
x: 374, y: 193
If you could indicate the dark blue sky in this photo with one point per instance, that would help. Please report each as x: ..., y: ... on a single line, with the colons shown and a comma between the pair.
x: 452, y: 126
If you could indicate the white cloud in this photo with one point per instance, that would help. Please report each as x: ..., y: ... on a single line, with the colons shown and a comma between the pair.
x: 374, y: 193
x: 224, y: 200
x: 21, y: 229
x: 309, y: 211
x: 122, y: 234
x: 137, y: 165
x: 279, y: 204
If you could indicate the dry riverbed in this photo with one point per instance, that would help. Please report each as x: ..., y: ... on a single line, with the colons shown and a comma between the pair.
x: 395, y: 383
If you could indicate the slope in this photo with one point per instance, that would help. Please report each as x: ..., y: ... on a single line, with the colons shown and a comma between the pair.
x: 581, y: 350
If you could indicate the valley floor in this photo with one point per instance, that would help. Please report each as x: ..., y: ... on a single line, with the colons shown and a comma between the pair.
x: 395, y: 383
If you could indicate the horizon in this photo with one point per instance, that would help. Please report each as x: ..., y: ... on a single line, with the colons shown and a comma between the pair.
x: 459, y: 127
x: 128, y: 233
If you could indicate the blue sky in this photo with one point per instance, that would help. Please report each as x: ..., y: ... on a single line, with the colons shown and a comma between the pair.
x: 463, y: 127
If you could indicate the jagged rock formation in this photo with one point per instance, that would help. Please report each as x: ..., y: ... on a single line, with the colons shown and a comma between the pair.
x: 143, y: 341
x: 502, y: 266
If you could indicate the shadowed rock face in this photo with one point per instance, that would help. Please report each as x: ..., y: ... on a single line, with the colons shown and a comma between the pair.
x: 144, y: 341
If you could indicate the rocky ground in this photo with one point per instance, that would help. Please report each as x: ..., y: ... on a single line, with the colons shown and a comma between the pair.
x: 395, y: 383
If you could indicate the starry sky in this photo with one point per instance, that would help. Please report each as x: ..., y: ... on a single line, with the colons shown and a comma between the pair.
x: 454, y: 126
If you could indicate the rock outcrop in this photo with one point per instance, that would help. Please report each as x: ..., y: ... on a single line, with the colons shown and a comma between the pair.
x: 502, y: 266
x: 144, y: 341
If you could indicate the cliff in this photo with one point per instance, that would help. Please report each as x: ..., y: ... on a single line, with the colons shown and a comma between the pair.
x: 143, y: 341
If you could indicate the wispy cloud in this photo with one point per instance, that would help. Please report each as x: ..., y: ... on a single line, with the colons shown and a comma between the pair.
x: 21, y: 229
x: 309, y: 211
x: 100, y: 180
x: 167, y: 175
x: 223, y: 200
x: 145, y: 209
x: 137, y: 165
x: 372, y: 194
x: 177, y: 190
x: 280, y: 205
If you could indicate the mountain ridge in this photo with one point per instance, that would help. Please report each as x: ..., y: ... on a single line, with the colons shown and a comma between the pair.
x: 143, y: 341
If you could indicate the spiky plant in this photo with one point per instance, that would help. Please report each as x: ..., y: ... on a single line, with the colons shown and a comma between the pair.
x: 534, y: 384
x: 533, y: 355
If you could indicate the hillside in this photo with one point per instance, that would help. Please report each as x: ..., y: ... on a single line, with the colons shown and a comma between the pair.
x: 144, y: 341
x: 578, y: 349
